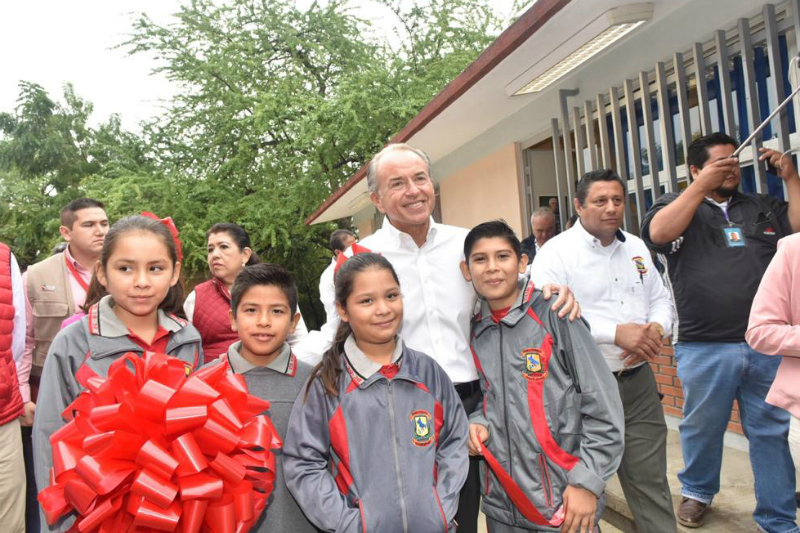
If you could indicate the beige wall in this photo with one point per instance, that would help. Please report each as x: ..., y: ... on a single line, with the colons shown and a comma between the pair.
x: 485, y: 190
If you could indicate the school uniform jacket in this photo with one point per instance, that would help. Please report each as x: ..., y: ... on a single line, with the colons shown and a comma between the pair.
x: 384, y: 455
x: 89, y: 347
x: 550, y: 403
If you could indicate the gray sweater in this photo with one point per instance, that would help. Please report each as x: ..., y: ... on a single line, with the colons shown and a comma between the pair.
x: 279, y: 383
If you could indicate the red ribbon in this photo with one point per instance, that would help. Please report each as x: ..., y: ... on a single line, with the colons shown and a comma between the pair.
x: 149, y: 449
x: 173, y: 230
x: 347, y: 254
x: 517, y: 496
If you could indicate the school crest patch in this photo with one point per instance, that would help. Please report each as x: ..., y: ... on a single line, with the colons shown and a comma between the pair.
x: 533, y: 364
x: 423, y: 431
x: 641, y: 268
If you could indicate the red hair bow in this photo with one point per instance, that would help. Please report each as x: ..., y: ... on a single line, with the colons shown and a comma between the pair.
x: 173, y: 230
x: 347, y: 254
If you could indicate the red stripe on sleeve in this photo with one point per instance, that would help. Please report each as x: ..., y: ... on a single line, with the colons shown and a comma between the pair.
x: 338, y: 433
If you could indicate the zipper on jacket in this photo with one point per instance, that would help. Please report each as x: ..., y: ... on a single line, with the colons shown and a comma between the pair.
x: 546, y: 487
x: 505, y: 416
x: 397, y: 458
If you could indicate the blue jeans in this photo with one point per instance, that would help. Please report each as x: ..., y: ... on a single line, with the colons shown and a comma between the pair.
x: 713, y: 375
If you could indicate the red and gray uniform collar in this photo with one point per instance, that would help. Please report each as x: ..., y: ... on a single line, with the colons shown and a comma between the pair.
x: 103, y: 321
x: 359, y: 366
x: 285, y: 363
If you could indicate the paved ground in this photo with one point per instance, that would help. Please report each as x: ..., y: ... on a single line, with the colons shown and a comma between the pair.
x: 732, y: 508
x: 730, y: 512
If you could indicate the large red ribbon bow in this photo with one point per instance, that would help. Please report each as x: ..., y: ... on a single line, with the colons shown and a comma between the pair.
x: 148, y: 448
x: 173, y: 230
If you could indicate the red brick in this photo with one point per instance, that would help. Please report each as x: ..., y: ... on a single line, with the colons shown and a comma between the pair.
x: 668, y: 400
x: 734, y: 416
x: 663, y: 360
x: 666, y: 380
x: 671, y: 391
x: 667, y: 370
x: 679, y: 402
x: 667, y: 350
x: 673, y: 411
x: 677, y: 381
x: 734, y: 426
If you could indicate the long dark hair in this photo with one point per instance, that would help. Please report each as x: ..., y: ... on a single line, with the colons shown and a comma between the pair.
x: 173, y: 302
x: 239, y: 236
x: 330, y: 368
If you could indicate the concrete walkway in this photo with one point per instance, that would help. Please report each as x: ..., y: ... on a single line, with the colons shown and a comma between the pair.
x: 731, y: 511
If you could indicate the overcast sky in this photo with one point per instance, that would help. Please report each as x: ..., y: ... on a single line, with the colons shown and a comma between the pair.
x: 51, y: 42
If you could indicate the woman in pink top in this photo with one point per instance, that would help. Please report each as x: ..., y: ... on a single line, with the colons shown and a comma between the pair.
x: 774, y: 329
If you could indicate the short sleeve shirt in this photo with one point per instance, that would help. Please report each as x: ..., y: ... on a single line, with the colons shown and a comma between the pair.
x: 713, y: 284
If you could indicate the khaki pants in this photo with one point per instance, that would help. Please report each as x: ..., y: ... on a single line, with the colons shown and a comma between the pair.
x: 12, y: 479
x: 643, y: 472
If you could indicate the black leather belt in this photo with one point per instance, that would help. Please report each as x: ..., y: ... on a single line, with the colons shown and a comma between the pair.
x: 628, y: 372
x: 465, y: 390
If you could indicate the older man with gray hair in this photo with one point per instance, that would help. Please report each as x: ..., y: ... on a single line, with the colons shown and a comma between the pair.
x: 543, y: 228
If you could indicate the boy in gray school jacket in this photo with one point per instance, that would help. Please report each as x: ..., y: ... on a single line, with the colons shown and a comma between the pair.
x: 551, y: 413
x: 264, y: 313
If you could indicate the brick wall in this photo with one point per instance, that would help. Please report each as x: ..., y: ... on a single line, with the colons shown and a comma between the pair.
x: 665, y: 370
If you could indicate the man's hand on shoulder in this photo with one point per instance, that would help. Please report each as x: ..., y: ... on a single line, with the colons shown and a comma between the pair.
x: 565, y: 304
x: 641, y: 342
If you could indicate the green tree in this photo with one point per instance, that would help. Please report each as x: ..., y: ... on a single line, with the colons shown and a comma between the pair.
x: 46, y: 150
x: 279, y: 106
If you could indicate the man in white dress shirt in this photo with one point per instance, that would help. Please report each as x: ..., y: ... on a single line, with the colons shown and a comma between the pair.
x: 341, y: 240
x: 438, y: 301
x: 629, y: 311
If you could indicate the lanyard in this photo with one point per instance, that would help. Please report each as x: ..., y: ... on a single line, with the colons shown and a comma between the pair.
x: 725, y: 212
x: 75, y: 274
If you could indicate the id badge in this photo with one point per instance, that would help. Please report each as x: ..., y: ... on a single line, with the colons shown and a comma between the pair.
x: 734, y: 237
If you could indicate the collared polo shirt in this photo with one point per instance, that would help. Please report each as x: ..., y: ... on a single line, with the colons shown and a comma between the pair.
x: 285, y: 363
x: 614, y: 284
x: 364, y: 367
x: 713, y: 285
x: 437, y: 300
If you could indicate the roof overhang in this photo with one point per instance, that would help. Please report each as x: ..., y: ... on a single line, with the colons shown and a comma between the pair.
x: 475, y: 115
x: 354, y: 195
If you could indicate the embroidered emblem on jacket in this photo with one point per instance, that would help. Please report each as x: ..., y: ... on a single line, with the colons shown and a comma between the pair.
x: 423, y: 435
x: 641, y: 268
x: 769, y: 231
x: 533, y: 364
x: 48, y: 288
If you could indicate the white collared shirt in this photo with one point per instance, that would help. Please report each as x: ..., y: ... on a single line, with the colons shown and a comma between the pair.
x: 614, y: 284
x: 327, y: 291
x: 437, y: 300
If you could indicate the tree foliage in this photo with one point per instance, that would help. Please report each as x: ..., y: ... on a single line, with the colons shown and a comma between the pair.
x: 277, y: 106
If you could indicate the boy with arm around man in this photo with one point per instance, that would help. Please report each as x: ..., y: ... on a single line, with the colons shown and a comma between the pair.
x: 548, y: 394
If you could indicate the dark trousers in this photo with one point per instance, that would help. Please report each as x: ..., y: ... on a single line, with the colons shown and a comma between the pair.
x: 31, y: 503
x: 470, y: 496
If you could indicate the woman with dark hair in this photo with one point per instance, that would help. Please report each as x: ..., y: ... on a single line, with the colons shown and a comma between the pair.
x: 208, y: 306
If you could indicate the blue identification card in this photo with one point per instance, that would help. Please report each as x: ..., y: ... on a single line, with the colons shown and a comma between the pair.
x: 734, y: 237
